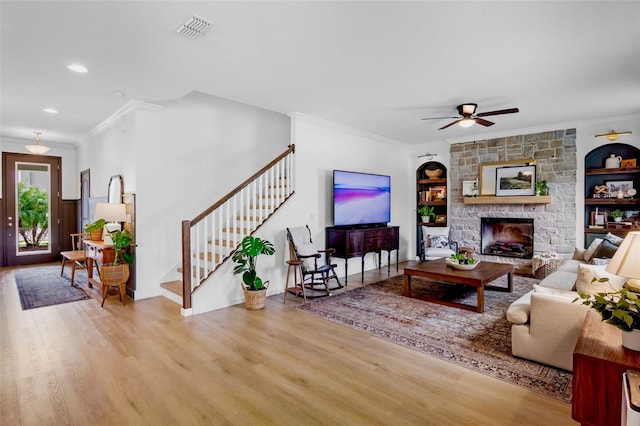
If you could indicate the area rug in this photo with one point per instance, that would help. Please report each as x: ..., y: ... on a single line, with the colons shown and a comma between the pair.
x: 478, y: 341
x: 43, y: 286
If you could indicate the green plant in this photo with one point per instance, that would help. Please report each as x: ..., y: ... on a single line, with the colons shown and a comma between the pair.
x: 427, y: 211
x: 122, y: 243
x: 246, y: 258
x: 620, y: 308
x: 95, y: 226
x: 617, y: 213
x: 542, y: 187
x: 33, y: 209
x: 463, y: 259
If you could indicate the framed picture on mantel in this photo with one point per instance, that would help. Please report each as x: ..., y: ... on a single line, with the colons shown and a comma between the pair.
x: 519, y: 180
x: 488, y: 174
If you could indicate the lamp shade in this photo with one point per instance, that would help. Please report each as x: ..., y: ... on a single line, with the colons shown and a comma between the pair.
x: 626, y: 261
x: 111, y: 212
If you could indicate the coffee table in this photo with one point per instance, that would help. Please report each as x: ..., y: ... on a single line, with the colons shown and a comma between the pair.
x: 479, y: 277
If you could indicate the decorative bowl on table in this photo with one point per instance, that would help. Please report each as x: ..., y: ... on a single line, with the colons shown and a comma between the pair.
x: 433, y: 174
x: 462, y: 266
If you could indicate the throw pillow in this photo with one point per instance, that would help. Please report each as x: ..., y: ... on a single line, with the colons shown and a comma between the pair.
x: 599, y: 261
x: 307, y: 250
x: 613, y: 239
x: 578, y: 253
x: 586, y: 273
x: 438, y: 241
x: 588, y: 254
x: 605, y: 249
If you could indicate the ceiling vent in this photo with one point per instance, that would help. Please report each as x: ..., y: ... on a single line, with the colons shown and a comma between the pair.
x: 193, y: 26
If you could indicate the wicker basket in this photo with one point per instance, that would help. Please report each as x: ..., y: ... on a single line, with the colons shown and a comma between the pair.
x: 96, y: 236
x: 254, y: 300
x: 546, y: 269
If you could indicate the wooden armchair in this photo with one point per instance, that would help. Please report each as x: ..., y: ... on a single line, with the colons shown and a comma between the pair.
x: 317, y: 269
x: 77, y: 257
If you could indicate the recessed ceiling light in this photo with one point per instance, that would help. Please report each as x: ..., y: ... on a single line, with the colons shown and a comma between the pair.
x: 78, y: 68
x: 51, y: 110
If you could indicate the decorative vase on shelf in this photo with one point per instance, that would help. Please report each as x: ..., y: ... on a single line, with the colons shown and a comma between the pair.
x: 613, y: 162
x: 631, y: 340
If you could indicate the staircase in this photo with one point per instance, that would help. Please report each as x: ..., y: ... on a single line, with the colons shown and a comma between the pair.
x: 210, y: 238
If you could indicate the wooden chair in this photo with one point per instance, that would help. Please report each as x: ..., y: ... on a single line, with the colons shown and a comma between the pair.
x: 77, y: 257
x: 317, y: 268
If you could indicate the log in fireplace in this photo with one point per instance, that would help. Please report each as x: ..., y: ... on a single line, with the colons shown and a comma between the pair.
x: 509, y: 237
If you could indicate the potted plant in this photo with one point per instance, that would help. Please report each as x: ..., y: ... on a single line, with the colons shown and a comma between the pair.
x: 542, y: 187
x: 116, y: 274
x: 620, y: 308
x: 427, y: 212
x: 95, y: 229
x: 255, y: 290
x: 617, y: 215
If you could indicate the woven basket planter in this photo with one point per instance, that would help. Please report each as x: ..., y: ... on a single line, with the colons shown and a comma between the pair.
x: 96, y: 236
x: 254, y: 300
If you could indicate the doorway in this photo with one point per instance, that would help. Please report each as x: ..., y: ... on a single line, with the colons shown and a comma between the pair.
x: 31, y: 209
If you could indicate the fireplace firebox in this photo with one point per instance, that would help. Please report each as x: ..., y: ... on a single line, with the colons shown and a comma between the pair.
x: 509, y: 237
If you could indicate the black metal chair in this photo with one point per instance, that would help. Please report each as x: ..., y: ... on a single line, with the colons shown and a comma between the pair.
x: 317, y: 269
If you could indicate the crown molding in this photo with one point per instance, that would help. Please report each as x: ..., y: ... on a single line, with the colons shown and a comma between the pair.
x: 131, y: 105
x: 346, y: 129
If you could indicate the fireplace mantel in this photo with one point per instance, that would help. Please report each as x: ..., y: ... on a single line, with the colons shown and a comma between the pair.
x: 525, y: 199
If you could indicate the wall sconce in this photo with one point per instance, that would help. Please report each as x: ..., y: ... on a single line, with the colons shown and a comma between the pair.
x: 613, y: 135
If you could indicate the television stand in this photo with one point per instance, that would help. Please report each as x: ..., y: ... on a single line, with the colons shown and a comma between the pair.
x: 357, y: 242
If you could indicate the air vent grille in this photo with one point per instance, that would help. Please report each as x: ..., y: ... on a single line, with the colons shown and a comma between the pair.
x: 193, y: 26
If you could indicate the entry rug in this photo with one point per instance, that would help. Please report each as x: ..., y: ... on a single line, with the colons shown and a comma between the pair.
x: 43, y: 286
x: 478, y: 341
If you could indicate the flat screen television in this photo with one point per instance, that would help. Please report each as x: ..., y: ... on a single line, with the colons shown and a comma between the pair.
x: 361, y: 199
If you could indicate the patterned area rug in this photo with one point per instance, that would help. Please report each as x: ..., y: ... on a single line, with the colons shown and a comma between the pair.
x: 478, y: 341
x: 43, y: 286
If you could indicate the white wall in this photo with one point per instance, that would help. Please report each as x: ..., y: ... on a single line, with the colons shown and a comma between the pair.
x: 68, y: 154
x: 322, y: 147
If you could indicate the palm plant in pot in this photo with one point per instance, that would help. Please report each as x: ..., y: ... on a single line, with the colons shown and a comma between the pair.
x: 117, y: 273
x: 246, y: 257
x: 427, y: 212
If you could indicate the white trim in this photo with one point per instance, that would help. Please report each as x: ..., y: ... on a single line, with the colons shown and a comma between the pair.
x: 346, y: 129
x: 125, y: 109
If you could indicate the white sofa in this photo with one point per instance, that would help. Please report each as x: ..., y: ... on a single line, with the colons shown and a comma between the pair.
x: 545, y: 321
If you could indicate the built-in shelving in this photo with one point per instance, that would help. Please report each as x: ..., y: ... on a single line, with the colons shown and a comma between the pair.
x: 523, y: 199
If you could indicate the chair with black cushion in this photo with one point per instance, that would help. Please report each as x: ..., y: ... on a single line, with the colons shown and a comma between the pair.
x: 436, y: 243
x: 77, y: 257
x: 317, y: 269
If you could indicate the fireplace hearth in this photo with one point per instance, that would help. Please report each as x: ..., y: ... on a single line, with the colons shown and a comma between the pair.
x: 508, y: 237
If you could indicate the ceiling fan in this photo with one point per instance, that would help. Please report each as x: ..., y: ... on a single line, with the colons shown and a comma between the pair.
x: 468, y: 116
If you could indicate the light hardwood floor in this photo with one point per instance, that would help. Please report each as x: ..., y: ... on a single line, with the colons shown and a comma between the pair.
x: 143, y: 363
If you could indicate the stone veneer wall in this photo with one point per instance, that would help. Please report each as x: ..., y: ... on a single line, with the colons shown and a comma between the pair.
x: 554, y: 223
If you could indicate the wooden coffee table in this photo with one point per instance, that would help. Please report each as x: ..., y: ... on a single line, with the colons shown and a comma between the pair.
x: 479, y: 277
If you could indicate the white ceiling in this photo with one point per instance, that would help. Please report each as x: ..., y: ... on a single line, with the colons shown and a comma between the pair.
x: 376, y: 66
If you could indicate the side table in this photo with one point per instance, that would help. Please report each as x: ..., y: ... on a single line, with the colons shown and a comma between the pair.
x: 298, y: 285
x: 599, y: 361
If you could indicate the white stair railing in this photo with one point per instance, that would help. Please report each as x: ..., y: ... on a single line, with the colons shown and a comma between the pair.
x: 211, y: 238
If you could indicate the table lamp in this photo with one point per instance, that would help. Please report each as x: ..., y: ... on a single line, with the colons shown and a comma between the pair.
x: 113, y: 214
x: 626, y: 261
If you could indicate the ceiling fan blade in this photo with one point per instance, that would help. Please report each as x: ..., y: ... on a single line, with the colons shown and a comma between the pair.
x: 498, y: 112
x: 484, y: 122
x: 449, y: 125
x: 438, y: 118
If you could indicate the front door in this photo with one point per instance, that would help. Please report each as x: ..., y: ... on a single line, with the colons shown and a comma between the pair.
x: 32, y: 208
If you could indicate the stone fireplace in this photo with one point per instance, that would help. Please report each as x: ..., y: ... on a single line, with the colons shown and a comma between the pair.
x: 554, y: 224
x: 508, y: 237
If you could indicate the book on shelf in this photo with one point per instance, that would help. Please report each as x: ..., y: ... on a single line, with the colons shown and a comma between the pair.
x: 596, y: 227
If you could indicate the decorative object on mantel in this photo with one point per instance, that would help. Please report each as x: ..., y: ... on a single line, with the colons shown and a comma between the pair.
x: 488, y: 174
x: 613, y: 135
x: 542, y: 188
x: 518, y: 180
x: 470, y: 188
x: 621, y: 307
x: 37, y: 148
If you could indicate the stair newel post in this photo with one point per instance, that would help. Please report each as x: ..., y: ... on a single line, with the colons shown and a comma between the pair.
x: 186, y: 264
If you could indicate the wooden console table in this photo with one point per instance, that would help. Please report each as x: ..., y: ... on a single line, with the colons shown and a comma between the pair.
x: 599, y: 360
x: 357, y: 242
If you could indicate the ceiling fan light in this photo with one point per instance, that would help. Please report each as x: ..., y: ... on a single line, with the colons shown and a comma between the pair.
x: 466, y: 122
